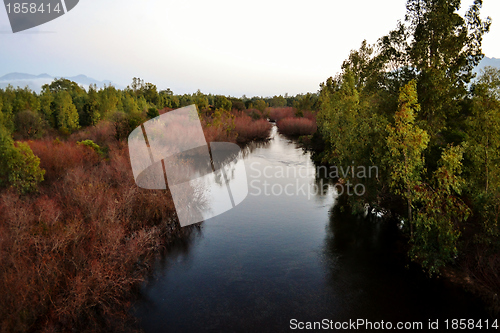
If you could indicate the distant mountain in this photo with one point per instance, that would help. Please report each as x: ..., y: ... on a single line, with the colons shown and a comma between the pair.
x: 493, y: 62
x: 35, y: 82
x: 23, y: 76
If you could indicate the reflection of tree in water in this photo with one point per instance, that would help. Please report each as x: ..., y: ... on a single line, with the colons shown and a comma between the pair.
x: 361, y: 255
x: 178, y: 248
x: 250, y: 147
x: 367, y: 271
x: 199, y: 162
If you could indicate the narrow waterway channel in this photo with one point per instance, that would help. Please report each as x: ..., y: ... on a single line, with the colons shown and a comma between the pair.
x: 274, y: 258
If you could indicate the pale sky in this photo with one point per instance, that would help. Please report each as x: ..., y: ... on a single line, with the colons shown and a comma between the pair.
x: 258, y: 47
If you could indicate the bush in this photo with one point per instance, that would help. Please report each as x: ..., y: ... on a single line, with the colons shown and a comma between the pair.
x: 152, y: 113
x: 19, y: 167
x: 249, y: 129
x: 125, y: 123
x: 29, y: 124
x: 57, y: 158
x: 238, y: 105
x: 71, y: 257
x: 103, y: 134
x: 92, y: 145
x: 260, y: 105
x: 296, y: 126
x: 276, y: 114
x: 255, y: 114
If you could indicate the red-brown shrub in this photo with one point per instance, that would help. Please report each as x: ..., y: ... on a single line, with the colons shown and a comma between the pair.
x: 102, y: 134
x: 309, y: 115
x: 218, y: 134
x: 255, y: 114
x: 57, y: 157
x: 249, y: 129
x: 71, y: 255
x: 296, y: 126
x: 276, y: 114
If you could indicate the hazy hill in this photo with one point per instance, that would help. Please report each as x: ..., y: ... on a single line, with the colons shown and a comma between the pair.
x: 35, y: 82
x: 493, y: 62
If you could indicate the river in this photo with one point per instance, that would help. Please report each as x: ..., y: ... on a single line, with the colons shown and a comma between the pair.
x: 275, y: 258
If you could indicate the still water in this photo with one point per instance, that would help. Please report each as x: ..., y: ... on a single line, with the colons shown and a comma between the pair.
x: 274, y: 258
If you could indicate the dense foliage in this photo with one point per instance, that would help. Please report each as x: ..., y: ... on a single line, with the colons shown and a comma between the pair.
x: 412, y: 106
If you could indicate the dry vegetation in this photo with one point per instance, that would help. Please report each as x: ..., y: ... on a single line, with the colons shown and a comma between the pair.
x: 72, y: 254
x: 296, y: 126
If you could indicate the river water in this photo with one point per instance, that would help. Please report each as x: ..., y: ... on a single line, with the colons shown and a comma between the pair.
x: 282, y: 256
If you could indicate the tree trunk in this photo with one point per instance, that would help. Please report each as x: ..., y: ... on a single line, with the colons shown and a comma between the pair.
x: 409, y: 218
x: 486, y: 166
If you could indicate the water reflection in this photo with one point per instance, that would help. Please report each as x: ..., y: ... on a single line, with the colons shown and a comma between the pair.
x: 367, y: 270
x: 252, y: 146
x: 274, y: 258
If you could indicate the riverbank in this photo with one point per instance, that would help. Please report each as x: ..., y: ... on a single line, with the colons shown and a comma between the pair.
x: 74, y: 252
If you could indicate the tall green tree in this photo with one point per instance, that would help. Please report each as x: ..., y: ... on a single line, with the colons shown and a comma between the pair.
x: 483, y: 152
x: 66, y: 113
x: 440, y: 48
x: 90, y: 115
x: 109, y: 100
x: 221, y: 102
x: 440, y: 218
x: 343, y: 122
x: 484, y: 128
x: 46, y: 108
x: 406, y: 143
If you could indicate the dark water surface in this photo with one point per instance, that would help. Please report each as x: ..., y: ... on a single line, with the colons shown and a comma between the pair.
x: 274, y: 258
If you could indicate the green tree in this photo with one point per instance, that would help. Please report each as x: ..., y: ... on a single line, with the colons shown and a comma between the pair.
x: 221, y: 102
x: 484, y: 128
x: 25, y: 99
x: 90, y: 115
x: 260, y: 105
x: 200, y: 100
x: 65, y: 111
x: 406, y: 143
x: 442, y: 213
x: 152, y: 113
x: 278, y: 101
x: 150, y: 93
x: 8, y: 98
x: 109, y: 100
x: 441, y: 48
x: 19, y: 167
x: 483, y: 153
x: 63, y: 84
x: 129, y: 104
x: 343, y: 123
x: 2, y: 116
x: 46, y: 107
x: 29, y: 124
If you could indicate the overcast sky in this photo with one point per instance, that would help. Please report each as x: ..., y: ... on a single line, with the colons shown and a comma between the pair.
x: 258, y: 47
